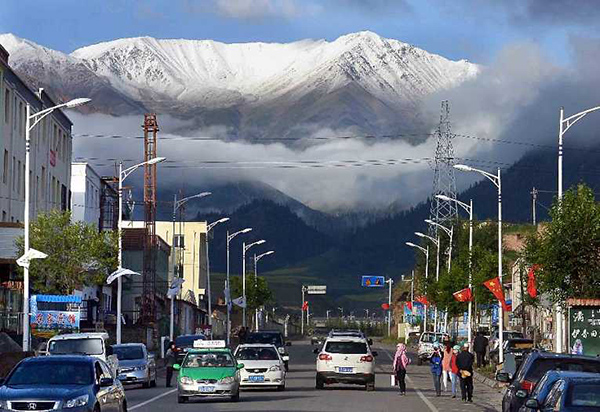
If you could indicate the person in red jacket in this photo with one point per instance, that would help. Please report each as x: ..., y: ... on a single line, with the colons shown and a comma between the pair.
x: 454, y: 369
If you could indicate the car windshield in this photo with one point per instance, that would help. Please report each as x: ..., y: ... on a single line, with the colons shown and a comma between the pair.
x: 251, y: 354
x: 271, y: 338
x: 208, y: 360
x: 128, y: 352
x: 431, y: 337
x: 584, y: 394
x: 352, y: 348
x: 519, y: 344
x: 78, y: 346
x: 51, y: 373
x: 187, y: 341
x: 541, y: 366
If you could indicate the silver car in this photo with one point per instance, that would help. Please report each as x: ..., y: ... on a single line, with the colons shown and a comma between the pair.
x: 136, y: 365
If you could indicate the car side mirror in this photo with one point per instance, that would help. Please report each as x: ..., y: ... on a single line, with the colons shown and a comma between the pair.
x: 176, y: 367
x: 316, y: 350
x: 521, y: 394
x: 503, y: 377
x: 240, y: 366
x: 106, y: 382
x: 288, y: 343
x: 532, y: 403
x: 374, y: 353
x: 151, y: 356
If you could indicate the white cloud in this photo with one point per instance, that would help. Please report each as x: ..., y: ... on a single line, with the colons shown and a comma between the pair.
x: 256, y: 9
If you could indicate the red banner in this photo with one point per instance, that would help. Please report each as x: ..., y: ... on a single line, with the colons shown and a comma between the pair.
x: 464, y: 295
x: 305, y: 306
x: 409, y: 305
x: 531, y: 286
x: 422, y: 300
x: 495, y: 287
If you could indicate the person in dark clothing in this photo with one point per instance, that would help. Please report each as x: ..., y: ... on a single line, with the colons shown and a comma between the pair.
x: 436, y: 368
x: 464, y: 363
x: 242, y: 334
x: 480, y: 345
x: 170, y: 360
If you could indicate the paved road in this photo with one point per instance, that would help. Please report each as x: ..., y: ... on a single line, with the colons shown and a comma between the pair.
x: 301, y: 395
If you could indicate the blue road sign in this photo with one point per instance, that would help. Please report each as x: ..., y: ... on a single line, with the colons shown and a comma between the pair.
x: 373, y: 281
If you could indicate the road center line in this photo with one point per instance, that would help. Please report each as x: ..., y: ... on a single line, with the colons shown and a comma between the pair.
x: 427, y: 402
x: 139, y: 405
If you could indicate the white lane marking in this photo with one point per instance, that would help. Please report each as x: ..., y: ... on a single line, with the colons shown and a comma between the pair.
x: 427, y: 402
x: 139, y: 405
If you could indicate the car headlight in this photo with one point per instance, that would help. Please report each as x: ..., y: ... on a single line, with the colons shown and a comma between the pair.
x: 281, y: 350
x: 77, y: 402
x: 275, y: 368
x: 186, y: 380
x: 140, y: 368
x: 228, y: 380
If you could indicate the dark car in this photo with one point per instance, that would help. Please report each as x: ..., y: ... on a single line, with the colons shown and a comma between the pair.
x: 62, y: 383
x: 571, y: 394
x: 184, y: 343
x: 273, y: 337
x: 516, y: 346
x: 318, y: 336
x: 545, y: 384
x: 533, y: 368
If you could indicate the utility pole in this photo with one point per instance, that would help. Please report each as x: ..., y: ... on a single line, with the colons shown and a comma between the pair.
x: 302, y: 311
x: 390, y: 281
x: 534, y: 194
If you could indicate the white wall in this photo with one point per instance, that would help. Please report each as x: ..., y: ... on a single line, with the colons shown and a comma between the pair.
x: 86, y: 191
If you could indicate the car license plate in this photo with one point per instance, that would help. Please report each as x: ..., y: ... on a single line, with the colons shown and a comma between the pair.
x: 206, y: 389
x: 258, y: 378
x: 345, y: 370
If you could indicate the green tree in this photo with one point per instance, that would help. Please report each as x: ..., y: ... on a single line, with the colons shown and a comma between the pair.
x: 78, y: 254
x: 568, y: 248
x: 257, y: 291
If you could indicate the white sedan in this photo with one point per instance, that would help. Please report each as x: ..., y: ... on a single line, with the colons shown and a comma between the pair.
x: 263, y: 366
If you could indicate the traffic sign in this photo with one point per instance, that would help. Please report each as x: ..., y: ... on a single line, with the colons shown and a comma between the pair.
x: 316, y: 290
x: 370, y: 281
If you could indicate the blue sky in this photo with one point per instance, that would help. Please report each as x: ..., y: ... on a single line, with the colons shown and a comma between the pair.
x: 471, y: 29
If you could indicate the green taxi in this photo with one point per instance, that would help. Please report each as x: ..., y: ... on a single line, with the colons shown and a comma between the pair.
x: 209, y: 370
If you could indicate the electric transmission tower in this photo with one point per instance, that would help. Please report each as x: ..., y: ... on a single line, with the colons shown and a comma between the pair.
x: 444, y: 182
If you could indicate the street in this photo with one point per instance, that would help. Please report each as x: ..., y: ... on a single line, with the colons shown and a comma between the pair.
x: 301, y: 395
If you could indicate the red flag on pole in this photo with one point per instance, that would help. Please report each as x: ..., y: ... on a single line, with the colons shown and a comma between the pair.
x: 495, y: 287
x: 422, y: 300
x: 464, y: 295
x: 305, y: 306
x: 409, y: 305
x: 385, y: 306
x: 531, y: 287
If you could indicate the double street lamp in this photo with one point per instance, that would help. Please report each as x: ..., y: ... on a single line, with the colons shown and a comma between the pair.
x: 230, y: 237
x: 209, y: 227
x: 497, y: 181
x: 256, y: 259
x: 245, y: 249
x: 32, y: 120
x: 450, y: 233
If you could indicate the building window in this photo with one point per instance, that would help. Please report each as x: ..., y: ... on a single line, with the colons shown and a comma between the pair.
x: 5, y: 171
x: 7, y: 106
x: 3, y: 216
x: 19, y: 177
x: 21, y: 118
x: 43, y: 184
x: 14, y: 174
x: 15, y: 113
x: 180, y: 241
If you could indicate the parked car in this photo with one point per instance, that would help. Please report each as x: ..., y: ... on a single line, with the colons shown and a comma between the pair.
x: 136, y: 365
x: 506, y: 335
x: 517, y: 347
x: 571, y: 394
x: 547, y: 382
x: 426, y: 341
x: 92, y: 344
x: 62, y: 382
x: 263, y: 366
x: 184, y: 343
x: 273, y: 337
x: 347, y: 360
x: 533, y: 368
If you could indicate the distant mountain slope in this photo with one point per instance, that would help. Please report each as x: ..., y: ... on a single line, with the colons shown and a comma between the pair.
x: 360, y: 82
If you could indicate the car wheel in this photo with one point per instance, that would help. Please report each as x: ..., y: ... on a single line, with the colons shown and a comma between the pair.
x: 153, y: 383
x: 370, y: 386
x: 181, y: 399
x: 97, y: 408
x: 320, y: 384
x: 286, y: 365
x: 146, y: 385
x: 281, y: 388
x: 124, y: 407
x: 236, y: 397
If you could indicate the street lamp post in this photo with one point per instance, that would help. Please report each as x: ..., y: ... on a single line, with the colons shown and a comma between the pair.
x: 31, y: 120
x: 245, y: 249
x: 256, y: 259
x: 436, y: 243
x: 563, y: 127
x: 426, y: 252
x: 450, y: 233
x: 123, y: 174
x: 390, y: 282
x: 209, y: 227
x: 227, y: 283
x: 176, y: 205
x: 469, y: 209
x: 497, y: 181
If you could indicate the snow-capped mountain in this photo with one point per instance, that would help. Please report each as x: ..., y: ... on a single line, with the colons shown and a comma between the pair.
x: 359, y: 82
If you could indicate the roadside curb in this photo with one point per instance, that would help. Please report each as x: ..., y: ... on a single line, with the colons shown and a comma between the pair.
x: 485, y: 380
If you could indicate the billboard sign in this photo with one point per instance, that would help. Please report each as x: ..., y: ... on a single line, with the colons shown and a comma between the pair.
x: 316, y: 290
x: 370, y: 281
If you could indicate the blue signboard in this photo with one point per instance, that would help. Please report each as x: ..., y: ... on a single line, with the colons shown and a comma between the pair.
x: 55, y: 311
x: 373, y: 281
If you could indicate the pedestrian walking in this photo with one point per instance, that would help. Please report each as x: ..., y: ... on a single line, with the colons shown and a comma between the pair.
x: 464, y: 362
x: 454, y: 369
x: 447, y: 364
x: 480, y: 345
x: 170, y: 360
x: 401, y: 361
x: 436, y: 368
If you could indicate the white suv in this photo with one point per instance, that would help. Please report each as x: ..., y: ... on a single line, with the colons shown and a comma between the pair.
x: 346, y: 360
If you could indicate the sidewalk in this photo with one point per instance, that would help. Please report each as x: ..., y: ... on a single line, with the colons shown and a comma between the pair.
x: 484, y: 398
